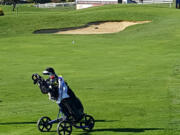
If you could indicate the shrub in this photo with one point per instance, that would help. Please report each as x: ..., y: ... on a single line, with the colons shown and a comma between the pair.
x: 56, y: 1
x: 1, y: 12
x: 30, y: 1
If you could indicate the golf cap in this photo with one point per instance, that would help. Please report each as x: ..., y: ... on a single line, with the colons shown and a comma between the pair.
x: 49, y: 71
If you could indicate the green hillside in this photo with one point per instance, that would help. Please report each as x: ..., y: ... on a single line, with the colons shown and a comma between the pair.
x: 128, y: 81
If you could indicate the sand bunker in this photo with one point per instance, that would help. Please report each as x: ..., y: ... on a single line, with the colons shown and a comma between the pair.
x: 102, y: 27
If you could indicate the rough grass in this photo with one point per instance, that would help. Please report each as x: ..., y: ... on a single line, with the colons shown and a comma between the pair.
x: 129, y: 81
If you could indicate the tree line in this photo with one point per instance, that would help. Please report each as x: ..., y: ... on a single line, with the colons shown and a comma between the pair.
x: 14, y: 2
x: 34, y: 1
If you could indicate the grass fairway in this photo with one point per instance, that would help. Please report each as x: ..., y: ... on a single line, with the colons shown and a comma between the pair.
x: 129, y: 81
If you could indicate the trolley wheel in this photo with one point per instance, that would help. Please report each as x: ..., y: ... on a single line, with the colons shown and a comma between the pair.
x: 43, y: 124
x: 64, y: 128
x: 88, y: 123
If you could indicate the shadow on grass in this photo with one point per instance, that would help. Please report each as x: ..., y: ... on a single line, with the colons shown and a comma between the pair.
x: 132, y: 130
x: 106, y: 120
x: 14, y: 123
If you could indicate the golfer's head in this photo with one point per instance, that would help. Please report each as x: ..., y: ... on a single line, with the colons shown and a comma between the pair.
x: 49, y: 71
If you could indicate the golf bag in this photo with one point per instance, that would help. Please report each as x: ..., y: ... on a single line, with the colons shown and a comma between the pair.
x: 37, y: 79
x: 72, y: 107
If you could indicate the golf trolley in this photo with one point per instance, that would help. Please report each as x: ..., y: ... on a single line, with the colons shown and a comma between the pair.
x: 64, y: 126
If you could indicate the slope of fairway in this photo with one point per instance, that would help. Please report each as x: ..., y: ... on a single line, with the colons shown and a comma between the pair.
x: 129, y: 81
